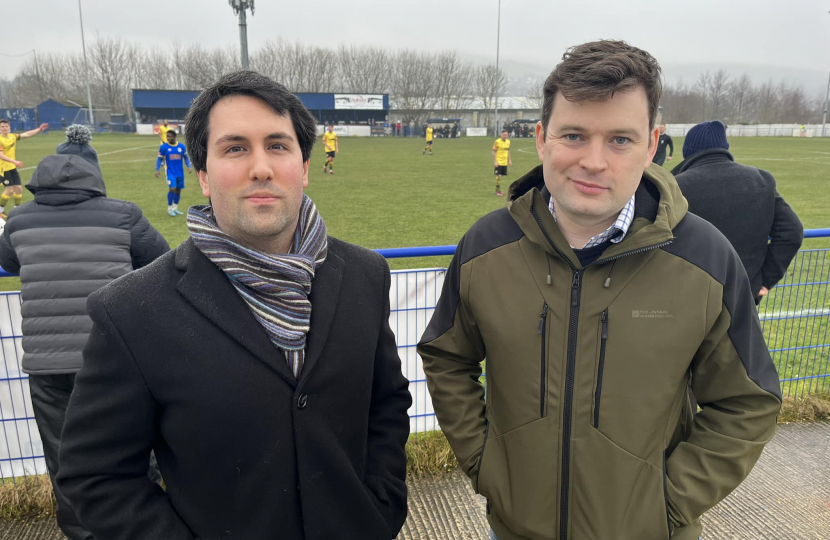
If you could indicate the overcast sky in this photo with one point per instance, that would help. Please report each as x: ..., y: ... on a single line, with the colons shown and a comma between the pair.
x: 791, y: 33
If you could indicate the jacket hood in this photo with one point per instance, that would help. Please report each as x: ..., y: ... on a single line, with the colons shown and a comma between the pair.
x: 69, y: 172
x: 659, y: 207
x: 704, y: 157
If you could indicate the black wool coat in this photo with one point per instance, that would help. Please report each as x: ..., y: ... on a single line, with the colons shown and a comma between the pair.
x: 177, y: 363
x: 743, y: 203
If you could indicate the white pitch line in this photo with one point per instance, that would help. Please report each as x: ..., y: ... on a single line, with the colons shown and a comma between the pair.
x: 128, y: 161
x: 105, y: 154
x: 796, y: 313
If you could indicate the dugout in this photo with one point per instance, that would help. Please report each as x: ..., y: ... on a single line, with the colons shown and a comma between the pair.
x: 347, y: 109
x: 153, y: 106
x: 445, y: 128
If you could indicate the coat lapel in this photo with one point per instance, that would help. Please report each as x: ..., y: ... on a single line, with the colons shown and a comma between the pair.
x: 210, y: 292
x: 325, y: 292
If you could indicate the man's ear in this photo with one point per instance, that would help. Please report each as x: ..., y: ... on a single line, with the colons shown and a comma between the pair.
x: 204, y: 182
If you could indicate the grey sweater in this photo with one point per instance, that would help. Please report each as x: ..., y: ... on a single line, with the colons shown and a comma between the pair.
x: 70, y: 241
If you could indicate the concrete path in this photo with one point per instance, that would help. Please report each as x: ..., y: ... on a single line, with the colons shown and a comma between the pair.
x: 787, y: 497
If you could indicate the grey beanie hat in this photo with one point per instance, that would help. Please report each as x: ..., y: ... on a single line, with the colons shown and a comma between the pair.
x: 77, y: 142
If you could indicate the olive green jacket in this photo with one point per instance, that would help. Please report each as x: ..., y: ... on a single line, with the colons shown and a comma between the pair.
x: 586, y: 432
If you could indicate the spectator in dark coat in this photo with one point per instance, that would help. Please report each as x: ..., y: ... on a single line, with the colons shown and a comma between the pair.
x: 70, y: 241
x: 742, y: 202
x: 256, y: 358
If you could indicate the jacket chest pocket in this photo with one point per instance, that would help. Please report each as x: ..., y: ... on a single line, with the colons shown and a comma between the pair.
x: 517, y: 370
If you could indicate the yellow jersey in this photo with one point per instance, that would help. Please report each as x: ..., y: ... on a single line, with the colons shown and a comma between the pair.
x: 8, y: 145
x: 429, y: 134
x: 330, y: 141
x: 163, y: 132
x: 502, y: 148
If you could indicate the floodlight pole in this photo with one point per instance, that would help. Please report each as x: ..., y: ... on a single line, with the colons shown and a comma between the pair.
x: 240, y: 7
x: 498, y: 41
x: 86, y: 67
x: 824, y: 117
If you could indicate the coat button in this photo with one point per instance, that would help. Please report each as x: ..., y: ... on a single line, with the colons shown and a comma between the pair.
x: 302, y: 401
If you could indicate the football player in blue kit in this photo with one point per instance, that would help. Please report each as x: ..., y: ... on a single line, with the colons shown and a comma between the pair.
x: 173, y: 154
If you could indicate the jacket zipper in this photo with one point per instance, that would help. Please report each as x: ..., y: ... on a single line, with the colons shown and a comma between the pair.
x: 666, y: 493
x: 603, y: 341
x: 481, y: 457
x: 543, y: 317
x: 571, y: 367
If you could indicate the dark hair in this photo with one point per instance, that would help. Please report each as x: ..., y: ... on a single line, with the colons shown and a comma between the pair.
x: 173, y: 131
x: 595, y: 71
x: 4, y: 121
x: 246, y: 83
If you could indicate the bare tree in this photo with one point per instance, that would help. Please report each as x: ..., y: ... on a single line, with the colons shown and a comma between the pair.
x: 718, y: 88
x: 535, y: 92
x: 702, y: 89
x: 108, y: 60
x: 739, y: 91
x: 364, y: 69
x: 490, y: 82
x: 454, y: 82
x: 412, y: 85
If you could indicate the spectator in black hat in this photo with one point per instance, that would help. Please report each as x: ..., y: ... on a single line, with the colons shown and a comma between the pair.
x: 742, y: 202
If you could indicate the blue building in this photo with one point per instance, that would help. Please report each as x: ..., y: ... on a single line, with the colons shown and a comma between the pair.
x: 56, y: 111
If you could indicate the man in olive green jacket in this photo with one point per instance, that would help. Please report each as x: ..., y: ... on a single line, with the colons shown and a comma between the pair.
x: 595, y: 298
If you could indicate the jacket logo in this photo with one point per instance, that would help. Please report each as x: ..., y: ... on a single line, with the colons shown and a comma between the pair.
x: 651, y: 314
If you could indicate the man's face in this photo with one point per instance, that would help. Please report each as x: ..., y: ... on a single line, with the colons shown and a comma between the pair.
x: 662, y: 129
x: 5, y: 128
x: 255, y: 173
x: 165, y: 123
x: 331, y: 128
x: 171, y: 138
x: 504, y: 135
x: 594, y: 154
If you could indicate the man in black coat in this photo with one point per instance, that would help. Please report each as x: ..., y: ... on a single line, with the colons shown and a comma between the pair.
x: 256, y: 359
x: 742, y: 202
x: 68, y: 242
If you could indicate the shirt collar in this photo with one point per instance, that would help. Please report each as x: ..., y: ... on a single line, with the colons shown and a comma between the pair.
x: 616, y: 232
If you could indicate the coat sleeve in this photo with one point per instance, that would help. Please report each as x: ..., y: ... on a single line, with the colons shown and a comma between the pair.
x: 452, y: 350
x: 106, y: 442
x: 8, y: 256
x: 388, y: 424
x: 737, y: 387
x: 146, y: 243
x: 786, y: 236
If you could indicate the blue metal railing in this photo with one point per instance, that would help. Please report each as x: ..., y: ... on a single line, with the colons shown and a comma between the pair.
x: 795, y: 318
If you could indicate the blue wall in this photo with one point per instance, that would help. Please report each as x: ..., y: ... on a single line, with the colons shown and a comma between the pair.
x: 51, y: 112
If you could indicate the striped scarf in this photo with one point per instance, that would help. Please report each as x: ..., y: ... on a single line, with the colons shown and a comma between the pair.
x: 275, y: 287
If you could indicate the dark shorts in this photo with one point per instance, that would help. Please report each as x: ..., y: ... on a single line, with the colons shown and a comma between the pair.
x: 500, y: 170
x: 11, y: 178
x: 429, y: 143
x: 331, y: 154
x: 176, y: 182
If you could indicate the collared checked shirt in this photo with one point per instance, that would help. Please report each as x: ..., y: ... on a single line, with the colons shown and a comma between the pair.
x: 615, y: 232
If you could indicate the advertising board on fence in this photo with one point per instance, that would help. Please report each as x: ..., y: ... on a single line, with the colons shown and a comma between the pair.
x: 348, y: 131
x: 476, y: 132
x: 360, y: 102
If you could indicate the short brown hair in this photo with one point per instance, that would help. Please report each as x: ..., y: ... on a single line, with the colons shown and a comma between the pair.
x: 4, y: 121
x: 595, y: 71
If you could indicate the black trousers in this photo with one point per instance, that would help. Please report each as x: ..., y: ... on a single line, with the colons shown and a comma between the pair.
x: 50, y: 397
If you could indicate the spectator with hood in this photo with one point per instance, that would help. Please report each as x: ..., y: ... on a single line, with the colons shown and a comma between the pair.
x: 67, y: 243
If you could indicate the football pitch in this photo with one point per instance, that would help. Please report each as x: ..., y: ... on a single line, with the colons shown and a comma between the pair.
x: 385, y: 193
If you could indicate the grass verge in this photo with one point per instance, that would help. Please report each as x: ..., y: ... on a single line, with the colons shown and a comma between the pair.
x: 26, y: 498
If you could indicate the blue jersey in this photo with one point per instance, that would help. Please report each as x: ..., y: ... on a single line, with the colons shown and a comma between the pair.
x: 173, y: 156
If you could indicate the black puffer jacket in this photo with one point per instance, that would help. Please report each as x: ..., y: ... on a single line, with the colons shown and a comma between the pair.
x: 70, y: 241
x: 744, y: 205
